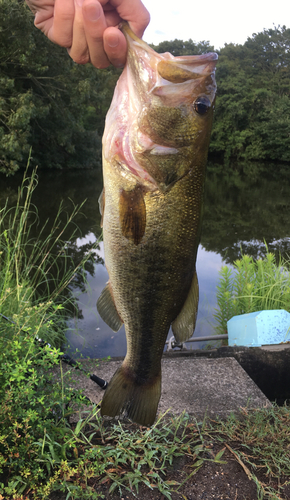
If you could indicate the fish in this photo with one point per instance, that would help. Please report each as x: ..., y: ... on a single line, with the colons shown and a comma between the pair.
x: 155, y: 147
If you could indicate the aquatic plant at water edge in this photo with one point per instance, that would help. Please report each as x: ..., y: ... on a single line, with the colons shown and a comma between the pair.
x: 252, y: 285
x: 38, y: 270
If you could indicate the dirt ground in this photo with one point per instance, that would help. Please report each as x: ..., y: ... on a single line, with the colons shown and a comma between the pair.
x: 212, y: 481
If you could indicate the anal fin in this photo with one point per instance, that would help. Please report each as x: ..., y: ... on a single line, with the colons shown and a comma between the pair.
x: 107, y: 309
x: 125, y: 394
x: 183, y: 326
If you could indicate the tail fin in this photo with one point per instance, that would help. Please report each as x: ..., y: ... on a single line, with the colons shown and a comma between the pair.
x: 139, y: 401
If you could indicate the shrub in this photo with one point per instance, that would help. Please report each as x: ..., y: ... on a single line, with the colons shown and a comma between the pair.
x: 35, y: 437
x: 252, y: 285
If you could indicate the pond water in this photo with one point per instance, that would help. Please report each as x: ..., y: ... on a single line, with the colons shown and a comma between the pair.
x: 241, y: 213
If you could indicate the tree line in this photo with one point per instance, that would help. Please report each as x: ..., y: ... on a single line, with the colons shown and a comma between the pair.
x: 252, y: 110
x: 56, y: 109
x: 48, y: 104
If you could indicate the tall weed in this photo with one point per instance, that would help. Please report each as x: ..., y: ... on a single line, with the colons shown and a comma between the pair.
x: 35, y: 273
x: 36, y: 270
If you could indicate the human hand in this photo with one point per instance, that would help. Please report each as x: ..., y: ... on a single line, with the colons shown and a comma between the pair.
x: 89, y: 28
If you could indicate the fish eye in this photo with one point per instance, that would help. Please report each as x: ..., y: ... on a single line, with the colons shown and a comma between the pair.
x: 202, y: 104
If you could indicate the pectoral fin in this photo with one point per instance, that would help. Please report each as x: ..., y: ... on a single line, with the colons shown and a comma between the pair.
x: 107, y: 309
x: 183, y: 326
x: 133, y: 214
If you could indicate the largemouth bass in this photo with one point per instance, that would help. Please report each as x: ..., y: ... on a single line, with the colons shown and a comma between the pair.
x: 155, y: 148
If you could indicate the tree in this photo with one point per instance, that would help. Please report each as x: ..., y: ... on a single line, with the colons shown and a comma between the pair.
x: 181, y: 48
x: 47, y: 102
x: 56, y: 108
x: 252, y: 119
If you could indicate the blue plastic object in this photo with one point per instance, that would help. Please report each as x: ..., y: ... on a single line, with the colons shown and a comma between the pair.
x: 259, y: 328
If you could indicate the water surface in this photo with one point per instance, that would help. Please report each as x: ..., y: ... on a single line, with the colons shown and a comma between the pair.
x: 242, y: 212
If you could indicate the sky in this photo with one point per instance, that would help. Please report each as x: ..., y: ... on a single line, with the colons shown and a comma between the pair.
x: 219, y: 22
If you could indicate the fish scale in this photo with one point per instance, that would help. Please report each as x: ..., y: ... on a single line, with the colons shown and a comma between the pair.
x: 152, y: 223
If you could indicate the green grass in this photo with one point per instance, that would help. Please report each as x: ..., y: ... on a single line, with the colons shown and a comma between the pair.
x: 260, y: 441
x: 128, y: 456
x: 125, y: 456
x: 252, y: 285
x: 35, y: 274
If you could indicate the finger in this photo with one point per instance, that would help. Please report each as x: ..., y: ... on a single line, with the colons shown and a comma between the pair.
x: 43, y: 19
x: 115, y: 46
x: 34, y: 5
x: 134, y: 12
x: 61, y: 31
x: 95, y: 25
x: 79, y: 50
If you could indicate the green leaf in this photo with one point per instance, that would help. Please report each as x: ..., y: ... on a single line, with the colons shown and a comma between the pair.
x: 219, y: 455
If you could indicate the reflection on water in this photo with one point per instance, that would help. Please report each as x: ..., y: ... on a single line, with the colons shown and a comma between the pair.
x: 241, y: 211
x: 95, y: 339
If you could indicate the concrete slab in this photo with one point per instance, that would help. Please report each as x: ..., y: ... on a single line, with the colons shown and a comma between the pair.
x: 198, y: 386
x: 276, y: 347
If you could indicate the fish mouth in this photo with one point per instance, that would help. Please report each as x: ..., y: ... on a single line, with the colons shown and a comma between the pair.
x: 203, y: 62
x: 151, y: 80
x: 165, y: 70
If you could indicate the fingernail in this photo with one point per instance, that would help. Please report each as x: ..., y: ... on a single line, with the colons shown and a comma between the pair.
x: 113, y: 41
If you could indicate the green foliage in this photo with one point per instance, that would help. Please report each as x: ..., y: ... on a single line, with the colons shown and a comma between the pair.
x: 252, y: 119
x: 34, y: 433
x: 34, y: 436
x: 181, y: 48
x: 253, y: 285
x: 36, y: 271
x: 47, y: 102
x: 57, y: 108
